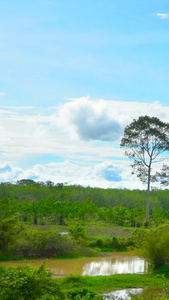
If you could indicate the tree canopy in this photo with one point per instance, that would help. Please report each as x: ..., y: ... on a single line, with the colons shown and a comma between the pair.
x: 145, y: 139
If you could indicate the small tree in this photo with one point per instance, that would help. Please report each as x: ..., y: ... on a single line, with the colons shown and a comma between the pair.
x: 145, y: 139
x: 76, y: 230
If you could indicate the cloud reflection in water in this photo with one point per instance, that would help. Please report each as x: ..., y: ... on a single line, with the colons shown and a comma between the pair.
x: 110, y: 266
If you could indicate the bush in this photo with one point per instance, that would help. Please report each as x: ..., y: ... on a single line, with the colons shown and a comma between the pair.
x: 137, y: 237
x: 9, y: 230
x: 155, y: 248
x: 110, y: 244
x: 74, y: 280
x: 25, y: 283
x: 80, y: 294
x: 76, y: 230
x: 37, y: 243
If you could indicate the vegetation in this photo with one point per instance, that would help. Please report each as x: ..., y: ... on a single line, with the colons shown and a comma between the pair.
x: 41, y: 204
x: 34, y: 243
x: 34, y: 215
x: 8, y: 232
x: 155, y: 247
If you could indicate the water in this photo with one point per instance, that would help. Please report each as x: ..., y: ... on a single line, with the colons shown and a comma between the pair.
x: 115, y: 263
x: 122, y: 294
x: 146, y: 293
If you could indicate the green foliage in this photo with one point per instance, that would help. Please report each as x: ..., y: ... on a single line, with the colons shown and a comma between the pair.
x: 22, y: 242
x: 158, y: 215
x: 39, y: 243
x: 74, y: 280
x: 155, y: 247
x: 39, y: 204
x: 43, y: 205
x: 8, y: 231
x: 25, y: 283
x: 138, y: 236
x: 82, y: 293
x: 76, y: 230
x: 119, y: 281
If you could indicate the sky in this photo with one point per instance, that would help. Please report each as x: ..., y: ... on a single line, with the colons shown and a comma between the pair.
x: 73, y: 74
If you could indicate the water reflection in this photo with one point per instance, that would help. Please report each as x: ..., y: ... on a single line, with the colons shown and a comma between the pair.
x: 146, y: 293
x: 111, y: 265
x: 115, y: 263
x: 122, y: 294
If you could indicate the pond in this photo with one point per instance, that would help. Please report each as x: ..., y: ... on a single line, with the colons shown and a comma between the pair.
x: 114, y: 263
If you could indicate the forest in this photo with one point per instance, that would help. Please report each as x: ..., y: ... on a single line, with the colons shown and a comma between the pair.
x: 42, y: 203
x: 94, y: 218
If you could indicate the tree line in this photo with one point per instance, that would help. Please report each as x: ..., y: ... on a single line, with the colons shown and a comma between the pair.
x: 39, y: 204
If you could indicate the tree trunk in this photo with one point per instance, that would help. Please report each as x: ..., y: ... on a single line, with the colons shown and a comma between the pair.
x: 148, y: 195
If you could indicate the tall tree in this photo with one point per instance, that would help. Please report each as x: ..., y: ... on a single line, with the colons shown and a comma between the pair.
x: 145, y: 139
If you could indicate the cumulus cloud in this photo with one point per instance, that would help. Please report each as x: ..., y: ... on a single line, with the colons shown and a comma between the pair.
x: 91, y: 124
x: 90, y: 120
x: 103, y: 120
x: 162, y: 16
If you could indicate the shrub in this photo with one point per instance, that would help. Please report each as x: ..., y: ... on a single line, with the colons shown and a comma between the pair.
x: 113, y: 243
x: 155, y: 248
x: 25, y: 283
x: 37, y: 243
x: 80, y: 294
x: 9, y: 230
x: 74, y: 280
x: 76, y: 230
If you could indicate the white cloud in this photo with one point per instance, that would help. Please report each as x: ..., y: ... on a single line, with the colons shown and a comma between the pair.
x: 91, y: 175
x: 2, y: 94
x: 85, y: 133
x: 103, y: 175
x: 163, y: 16
x: 8, y: 172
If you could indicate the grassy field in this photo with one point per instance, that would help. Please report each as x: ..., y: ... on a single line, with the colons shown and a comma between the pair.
x: 97, y: 230
x: 104, y: 230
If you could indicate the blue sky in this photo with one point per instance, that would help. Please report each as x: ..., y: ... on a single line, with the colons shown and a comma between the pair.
x: 73, y: 75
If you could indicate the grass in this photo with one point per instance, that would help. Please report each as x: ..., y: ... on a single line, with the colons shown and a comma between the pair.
x: 103, y: 284
x: 104, y: 230
x: 98, y: 229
